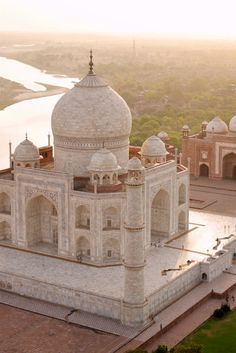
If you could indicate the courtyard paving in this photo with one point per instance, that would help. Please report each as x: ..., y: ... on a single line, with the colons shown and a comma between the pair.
x: 192, y: 321
x: 194, y: 245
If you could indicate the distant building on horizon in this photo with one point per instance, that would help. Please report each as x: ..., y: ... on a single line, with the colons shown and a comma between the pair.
x: 212, y: 151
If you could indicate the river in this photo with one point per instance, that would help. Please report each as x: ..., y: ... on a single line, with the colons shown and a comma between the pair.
x: 32, y: 116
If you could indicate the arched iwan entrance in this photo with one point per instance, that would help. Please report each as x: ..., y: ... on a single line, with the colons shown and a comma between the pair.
x: 42, y: 225
x: 204, y: 170
x: 5, y: 231
x: 160, y: 215
x: 229, y: 166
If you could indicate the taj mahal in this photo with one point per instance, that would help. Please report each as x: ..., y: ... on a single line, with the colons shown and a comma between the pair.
x: 85, y: 225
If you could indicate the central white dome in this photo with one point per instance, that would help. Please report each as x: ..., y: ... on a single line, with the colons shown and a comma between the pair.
x: 85, y: 119
x: 91, y: 109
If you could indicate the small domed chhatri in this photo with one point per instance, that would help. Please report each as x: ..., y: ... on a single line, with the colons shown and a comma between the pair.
x: 26, y: 154
x: 84, y: 118
x: 163, y: 135
x: 217, y: 126
x: 134, y: 164
x: 232, y: 124
x: 153, y: 146
x: 153, y: 151
x: 103, y: 160
x: 103, y: 168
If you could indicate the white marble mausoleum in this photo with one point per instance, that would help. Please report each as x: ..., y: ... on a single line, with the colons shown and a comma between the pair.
x: 96, y: 214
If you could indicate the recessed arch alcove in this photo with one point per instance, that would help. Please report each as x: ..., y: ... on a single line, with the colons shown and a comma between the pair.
x: 229, y: 166
x: 182, y: 194
x: 181, y: 221
x: 42, y: 224
x: 160, y: 215
x: 82, y: 248
x: 5, y: 203
x: 82, y: 217
x: 111, y: 249
x: 5, y: 231
x: 111, y: 218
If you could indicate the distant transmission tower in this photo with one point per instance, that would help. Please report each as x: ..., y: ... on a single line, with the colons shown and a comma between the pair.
x: 134, y: 49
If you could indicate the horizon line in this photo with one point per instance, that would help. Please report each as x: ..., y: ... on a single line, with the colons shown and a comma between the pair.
x: 151, y: 35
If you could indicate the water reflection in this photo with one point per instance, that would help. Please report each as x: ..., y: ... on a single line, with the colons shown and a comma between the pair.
x: 29, y: 76
x: 31, y: 116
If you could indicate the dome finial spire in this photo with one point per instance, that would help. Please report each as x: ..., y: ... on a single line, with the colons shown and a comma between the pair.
x: 91, y: 63
x: 26, y: 136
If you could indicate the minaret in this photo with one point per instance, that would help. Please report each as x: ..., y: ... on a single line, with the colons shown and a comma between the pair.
x: 134, y: 304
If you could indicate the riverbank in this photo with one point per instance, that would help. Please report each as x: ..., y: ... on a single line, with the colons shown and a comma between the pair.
x: 32, y: 95
x: 12, y: 92
x: 8, y: 91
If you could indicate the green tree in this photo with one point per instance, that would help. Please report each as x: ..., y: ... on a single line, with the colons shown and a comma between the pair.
x: 189, y: 348
x: 137, y: 350
x: 161, y: 349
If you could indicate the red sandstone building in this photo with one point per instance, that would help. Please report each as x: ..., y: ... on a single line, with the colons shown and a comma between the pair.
x: 212, y: 151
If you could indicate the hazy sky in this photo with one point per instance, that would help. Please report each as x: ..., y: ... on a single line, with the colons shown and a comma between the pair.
x: 192, y: 17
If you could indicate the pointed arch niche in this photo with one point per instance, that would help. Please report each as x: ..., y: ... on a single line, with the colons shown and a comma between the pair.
x: 42, y: 225
x: 182, y: 194
x: 82, y: 217
x: 82, y: 248
x: 111, y: 250
x: 229, y: 166
x: 5, y: 203
x: 160, y: 215
x: 111, y: 218
x: 5, y: 231
x: 182, y: 221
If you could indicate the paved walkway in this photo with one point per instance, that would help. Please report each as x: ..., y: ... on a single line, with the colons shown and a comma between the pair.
x: 217, y: 196
x: 191, y: 322
x: 214, y: 184
x: 182, y: 307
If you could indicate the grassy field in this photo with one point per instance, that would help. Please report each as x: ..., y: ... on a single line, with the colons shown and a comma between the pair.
x: 217, y: 335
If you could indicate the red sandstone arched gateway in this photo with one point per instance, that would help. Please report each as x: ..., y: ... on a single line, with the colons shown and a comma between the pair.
x: 229, y: 166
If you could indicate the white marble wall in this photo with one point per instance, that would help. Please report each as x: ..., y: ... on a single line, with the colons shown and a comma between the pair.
x: 165, y: 177
x: 32, y: 288
x: 172, y: 291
